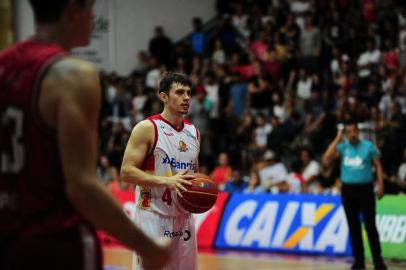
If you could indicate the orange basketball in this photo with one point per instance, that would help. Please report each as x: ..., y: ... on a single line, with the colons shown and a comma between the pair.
x: 200, y: 196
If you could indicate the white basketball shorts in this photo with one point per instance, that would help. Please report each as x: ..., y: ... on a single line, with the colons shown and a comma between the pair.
x: 181, y: 229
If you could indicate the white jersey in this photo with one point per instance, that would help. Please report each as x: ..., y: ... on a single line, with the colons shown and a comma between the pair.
x: 174, y: 150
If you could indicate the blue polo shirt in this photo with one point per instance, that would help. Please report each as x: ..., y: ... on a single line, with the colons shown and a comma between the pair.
x: 357, y: 161
x: 198, y: 41
x: 231, y: 187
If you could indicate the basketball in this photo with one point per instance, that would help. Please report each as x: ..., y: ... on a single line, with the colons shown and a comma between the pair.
x: 200, y: 196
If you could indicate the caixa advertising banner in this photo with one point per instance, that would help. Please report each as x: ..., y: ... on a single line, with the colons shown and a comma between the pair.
x: 391, y: 224
x: 303, y: 224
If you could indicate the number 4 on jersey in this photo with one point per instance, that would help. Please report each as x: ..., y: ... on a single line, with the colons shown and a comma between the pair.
x: 166, y: 197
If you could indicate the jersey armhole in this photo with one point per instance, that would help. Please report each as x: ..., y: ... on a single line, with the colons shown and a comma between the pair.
x: 36, y: 92
x: 151, y: 151
x: 197, y: 134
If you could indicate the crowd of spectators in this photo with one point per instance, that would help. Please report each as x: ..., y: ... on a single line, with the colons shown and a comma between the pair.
x: 270, y: 88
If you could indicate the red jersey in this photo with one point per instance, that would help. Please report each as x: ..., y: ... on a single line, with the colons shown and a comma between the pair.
x: 32, y: 190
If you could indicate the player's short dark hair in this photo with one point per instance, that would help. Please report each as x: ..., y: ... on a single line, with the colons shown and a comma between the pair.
x: 48, y: 11
x: 173, y: 77
x: 351, y: 123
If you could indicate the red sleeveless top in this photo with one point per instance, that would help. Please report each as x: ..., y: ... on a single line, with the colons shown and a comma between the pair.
x: 32, y: 188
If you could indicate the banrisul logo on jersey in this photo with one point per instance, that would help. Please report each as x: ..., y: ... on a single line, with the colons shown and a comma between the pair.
x: 178, y: 164
x: 292, y: 223
x: 391, y: 224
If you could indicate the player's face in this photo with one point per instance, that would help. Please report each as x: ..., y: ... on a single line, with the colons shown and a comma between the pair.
x: 84, y: 23
x: 351, y: 131
x: 179, y: 98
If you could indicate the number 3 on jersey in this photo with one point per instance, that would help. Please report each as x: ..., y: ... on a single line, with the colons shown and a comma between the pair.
x: 166, y: 197
x: 12, y: 158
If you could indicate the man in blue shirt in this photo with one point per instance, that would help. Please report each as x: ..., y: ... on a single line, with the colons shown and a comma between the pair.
x: 358, y: 157
x: 198, y: 38
x: 236, y: 184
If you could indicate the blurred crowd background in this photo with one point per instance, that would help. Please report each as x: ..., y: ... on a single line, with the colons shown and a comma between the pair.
x: 272, y: 82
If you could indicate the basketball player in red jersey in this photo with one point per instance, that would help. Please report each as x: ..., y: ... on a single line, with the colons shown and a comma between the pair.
x: 161, y: 155
x: 49, y: 193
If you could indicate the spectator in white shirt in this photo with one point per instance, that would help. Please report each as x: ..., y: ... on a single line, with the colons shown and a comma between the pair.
x: 262, y: 131
x: 239, y: 21
x: 401, y: 179
x: 397, y: 182
x: 402, y: 46
x: 218, y: 56
x: 335, y: 64
x: 388, y: 98
x: 212, y: 90
x: 138, y: 102
x: 368, y: 62
x: 368, y: 59
x: 304, y: 85
x: 274, y: 174
x: 295, y: 178
x: 300, y: 8
x: 310, y: 171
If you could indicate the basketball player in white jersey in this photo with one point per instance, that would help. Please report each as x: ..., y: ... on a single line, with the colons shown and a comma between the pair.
x: 160, y: 157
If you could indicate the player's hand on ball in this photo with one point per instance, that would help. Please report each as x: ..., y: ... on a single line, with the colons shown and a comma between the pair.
x: 158, y: 255
x: 200, y: 196
x: 177, y: 181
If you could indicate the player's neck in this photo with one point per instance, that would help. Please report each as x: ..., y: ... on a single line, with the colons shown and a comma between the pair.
x: 54, y: 33
x: 355, y: 142
x: 175, y: 119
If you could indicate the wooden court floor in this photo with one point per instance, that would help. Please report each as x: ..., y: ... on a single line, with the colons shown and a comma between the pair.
x: 121, y: 259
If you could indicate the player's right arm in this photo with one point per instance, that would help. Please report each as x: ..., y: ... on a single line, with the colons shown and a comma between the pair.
x: 331, y: 152
x: 138, y: 146
x: 70, y: 102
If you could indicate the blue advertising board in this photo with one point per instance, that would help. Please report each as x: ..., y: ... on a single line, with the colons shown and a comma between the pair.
x: 289, y: 223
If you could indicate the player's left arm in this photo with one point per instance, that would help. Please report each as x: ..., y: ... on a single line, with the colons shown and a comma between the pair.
x: 375, y: 156
x: 197, y: 158
x: 379, y: 177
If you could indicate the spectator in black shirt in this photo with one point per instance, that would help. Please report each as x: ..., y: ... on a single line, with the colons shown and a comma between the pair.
x: 259, y: 90
x: 160, y: 46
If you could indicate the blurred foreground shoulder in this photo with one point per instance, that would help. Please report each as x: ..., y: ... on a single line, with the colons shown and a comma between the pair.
x: 74, y: 79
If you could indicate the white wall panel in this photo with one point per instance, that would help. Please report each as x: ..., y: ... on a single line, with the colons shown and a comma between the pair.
x: 135, y: 21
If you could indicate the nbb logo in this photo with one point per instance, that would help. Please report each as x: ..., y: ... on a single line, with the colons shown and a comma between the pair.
x: 392, y: 228
x: 276, y: 223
